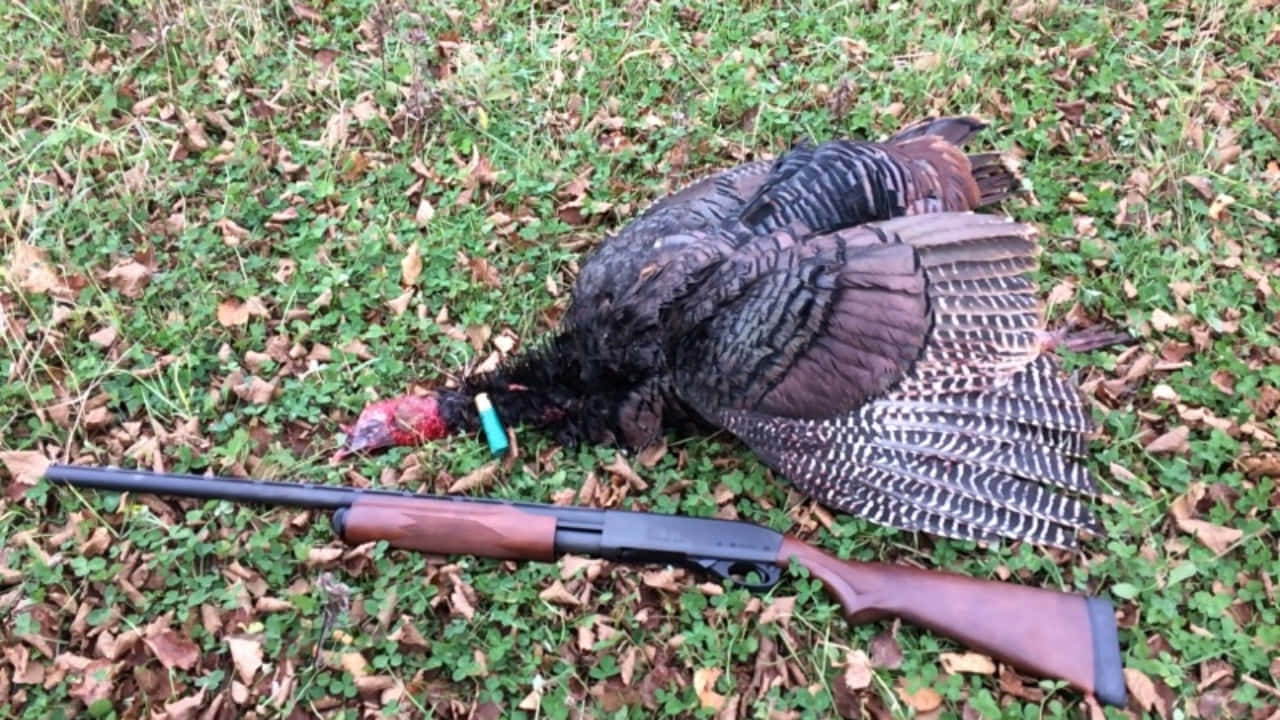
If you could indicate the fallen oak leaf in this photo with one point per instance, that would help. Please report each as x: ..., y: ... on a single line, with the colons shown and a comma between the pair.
x: 424, y: 214
x: 885, y: 651
x: 411, y: 265
x: 704, y: 681
x: 478, y: 478
x: 557, y: 594
x: 778, y: 610
x: 1201, y: 185
x: 26, y: 467
x: 233, y: 311
x: 1216, y: 537
x: 1173, y: 442
x: 97, y: 680
x: 922, y: 700
x: 664, y: 579
x: 968, y: 662
x: 354, y: 663
x: 857, y: 670
x: 622, y: 469
x: 1162, y: 321
x: 30, y: 269
x: 185, y: 709
x: 129, y: 278
x: 1141, y: 688
x: 173, y: 649
x: 246, y: 655
x: 104, y: 338
x: 255, y: 391
x: 400, y: 304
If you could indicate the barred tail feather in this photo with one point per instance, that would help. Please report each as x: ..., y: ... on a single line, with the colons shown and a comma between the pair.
x: 996, y: 179
x: 982, y: 436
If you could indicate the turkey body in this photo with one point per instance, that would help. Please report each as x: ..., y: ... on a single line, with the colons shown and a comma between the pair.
x: 843, y: 312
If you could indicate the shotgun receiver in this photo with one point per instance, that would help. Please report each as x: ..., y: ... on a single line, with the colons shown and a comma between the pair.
x: 1043, y: 632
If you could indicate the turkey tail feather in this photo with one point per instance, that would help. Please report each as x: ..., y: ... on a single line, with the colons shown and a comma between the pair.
x: 982, y: 436
x: 996, y: 179
x: 955, y: 130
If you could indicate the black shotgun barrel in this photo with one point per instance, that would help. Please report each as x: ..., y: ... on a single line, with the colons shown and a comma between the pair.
x: 240, y: 490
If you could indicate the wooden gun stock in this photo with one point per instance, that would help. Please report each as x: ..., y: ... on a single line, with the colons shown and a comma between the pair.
x: 1043, y: 632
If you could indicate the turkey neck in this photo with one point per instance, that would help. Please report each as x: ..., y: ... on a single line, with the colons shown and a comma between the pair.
x: 537, y: 387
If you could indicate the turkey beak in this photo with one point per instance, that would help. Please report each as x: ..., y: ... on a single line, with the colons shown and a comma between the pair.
x: 369, y: 433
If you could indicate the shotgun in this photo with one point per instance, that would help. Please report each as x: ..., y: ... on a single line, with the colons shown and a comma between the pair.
x: 1042, y: 632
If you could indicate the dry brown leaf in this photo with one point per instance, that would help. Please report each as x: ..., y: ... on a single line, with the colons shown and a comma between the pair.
x: 885, y: 651
x: 1216, y: 537
x: 130, y: 278
x: 923, y: 700
x: 286, y: 215
x: 1161, y: 320
x: 272, y: 605
x: 778, y: 610
x: 531, y: 702
x: 479, y: 478
x: 374, y: 685
x: 459, y: 601
x: 408, y: 635
x: 627, y: 668
x: 173, y: 649
x: 246, y: 655
x: 969, y: 662
x: 30, y: 269
x: 97, y: 680
x: 704, y: 682
x: 354, y: 663
x: 400, y: 303
x: 857, y: 670
x: 484, y: 271
x: 411, y: 265
x: 234, y: 311
x: 106, y: 337
x: 1174, y: 442
x: 255, y: 390
x: 25, y: 672
x: 425, y: 213
x: 1061, y: 293
x: 557, y: 594
x: 571, y: 564
x: 622, y: 469
x: 651, y: 455
x: 664, y: 579
x: 365, y: 110
x: 323, y: 556
x: 1201, y: 184
x: 586, y: 638
x: 1225, y: 381
x: 1265, y: 464
x: 186, y: 708
x: 232, y: 233
x: 1141, y: 688
x: 26, y: 467
x: 1218, y: 209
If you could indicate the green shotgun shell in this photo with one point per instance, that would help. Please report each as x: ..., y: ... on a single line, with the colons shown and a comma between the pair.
x: 493, y: 431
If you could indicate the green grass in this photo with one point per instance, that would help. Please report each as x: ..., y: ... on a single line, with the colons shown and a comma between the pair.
x: 238, y: 150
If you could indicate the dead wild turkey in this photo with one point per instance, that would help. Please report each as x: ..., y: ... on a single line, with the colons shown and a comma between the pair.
x: 843, y: 313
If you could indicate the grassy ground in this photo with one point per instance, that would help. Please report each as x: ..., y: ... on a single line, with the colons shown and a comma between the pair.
x: 210, y: 213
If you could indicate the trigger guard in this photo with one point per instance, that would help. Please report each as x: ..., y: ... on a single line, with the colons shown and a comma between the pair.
x: 725, y: 570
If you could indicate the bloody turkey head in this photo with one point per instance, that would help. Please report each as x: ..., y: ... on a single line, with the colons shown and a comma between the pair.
x: 404, y: 420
